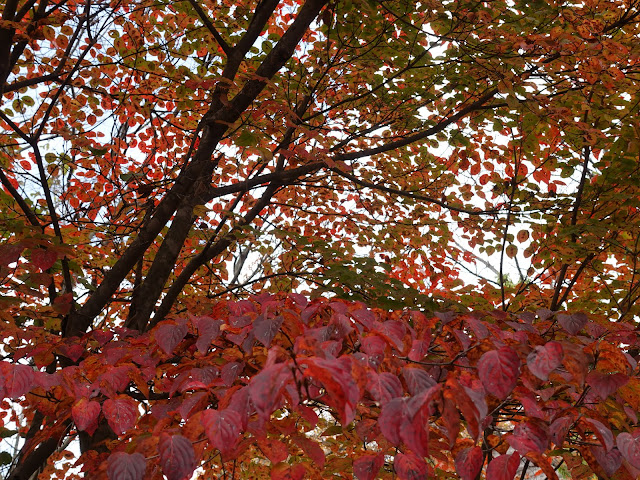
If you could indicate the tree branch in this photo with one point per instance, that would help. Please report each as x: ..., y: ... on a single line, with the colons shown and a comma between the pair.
x: 404, y: 193
x: 212, y: 29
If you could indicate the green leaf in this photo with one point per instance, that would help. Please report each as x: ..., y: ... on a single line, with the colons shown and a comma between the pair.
x: 246, y: 139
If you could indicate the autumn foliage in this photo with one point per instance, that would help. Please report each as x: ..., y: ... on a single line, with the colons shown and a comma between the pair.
x: 297, y: 239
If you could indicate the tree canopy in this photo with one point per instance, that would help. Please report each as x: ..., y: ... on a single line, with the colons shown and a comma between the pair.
x: 316, y: 239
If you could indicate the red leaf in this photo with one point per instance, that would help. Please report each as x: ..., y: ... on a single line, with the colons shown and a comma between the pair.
x: 265, y: 329
x: 572, y: 323
x: 16, y: 380
x: 498, y: 371
x: 368, y: 466
x: 469, y: 463
x: 43, y: 259
x: 208, y: 330
x: 384, y: 387
x: 559, y: 429
x: 273, y: 449
x: 419, y: 350
x: 367, y: 429
x: 122, y: 466
x: 311, y: 448
x: 400, y: 423
x: 609, y: 461
x: 393, y: 332
x: 85, y: 414
x: 169, y: 335
x: 409, y: 466
x: 121, y: 414
x: 267, y: 386
x: 230, y: 372
x: 417, y: 380
x: 605, y: 384
x: 177, y: 457
x: 503, y: 467
x: 392, y: 418
x: 335, y: 376
x: 601, y: 431
x: 223, y: 428
x: 629, y: 446
x: 545, y: 359
x: 529, y: 437
x: 365, y: 316
x: 9, y: 254
x: 115, y: 379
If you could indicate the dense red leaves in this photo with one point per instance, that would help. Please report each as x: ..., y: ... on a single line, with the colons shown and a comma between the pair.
x: 177, y: 457
x: 499, y: 371
x: 264, y: 403
x: 122, y: 466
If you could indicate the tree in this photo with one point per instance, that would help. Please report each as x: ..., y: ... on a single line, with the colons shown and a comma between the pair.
x: 175, y: 174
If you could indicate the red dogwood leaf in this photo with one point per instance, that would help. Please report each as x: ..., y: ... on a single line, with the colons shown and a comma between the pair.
x: 601, y: 431
x: 223, y: 428
x: 16, y: 380
x: 267, y: 386
x: 368, y: 466
x: 121, y: 413
x: 384, y: 387
x: 572, y: 323
x: 529, y: 437
x: 469, y: 463
x: 208, y: 330
x: 610, y: 461
x: 400, y: 423
x: 273, y: 449
x: 311, y: 449
x: 85, y: 414
x: 629, y: 446
x: 503, y: 467
x: 265, y: 328
x: 409, y: 466
x: 605, y: 384
x: 43, y: 259
x: 559, y: 429
x: 177, y: 457
x: 499, y: 370
x: 169, y: 335
x: 545, y: 359
x: 124, y: 466
x: 417, y: 380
